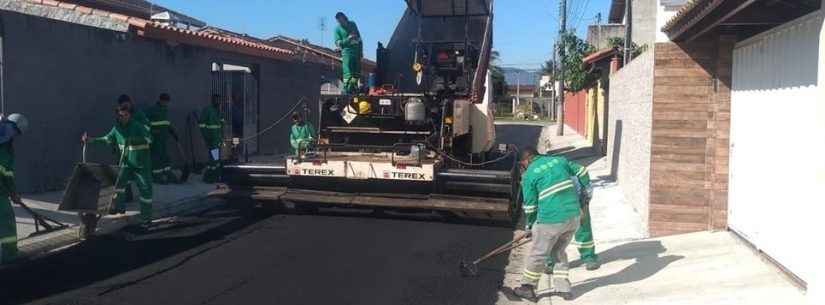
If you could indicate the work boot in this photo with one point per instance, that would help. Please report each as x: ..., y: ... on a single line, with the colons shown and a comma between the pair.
x: 526, y: 291
x: 592, y: 265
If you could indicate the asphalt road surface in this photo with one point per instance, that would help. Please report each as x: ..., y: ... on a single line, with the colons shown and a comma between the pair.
x: 237, y: 256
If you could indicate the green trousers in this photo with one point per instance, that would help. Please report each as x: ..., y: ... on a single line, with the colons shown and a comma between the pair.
x: 351, y: 68
x: 584, y: 239
x: 212, y: 173
x: 161, y: 166
x: 8, y: 231
x: 142, y: 178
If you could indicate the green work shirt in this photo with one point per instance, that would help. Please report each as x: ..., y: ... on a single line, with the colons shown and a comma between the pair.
x: 134, y: 138
x: 300, y: 135
x: 159, y: 121
x: 140, y: 117
x: 549, y: 194
x: 211, y: 125
x: 6, y: 168
x: 349, y: 46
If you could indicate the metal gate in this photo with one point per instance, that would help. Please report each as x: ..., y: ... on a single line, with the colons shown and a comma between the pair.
x: 773, y: 121
x: 238, y: 89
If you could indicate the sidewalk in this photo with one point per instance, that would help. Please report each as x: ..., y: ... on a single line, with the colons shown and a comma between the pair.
x: 169, y: 200
x: 700, y: 268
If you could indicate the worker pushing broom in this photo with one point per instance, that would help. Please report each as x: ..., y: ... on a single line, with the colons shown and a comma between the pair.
x: 554, y: 191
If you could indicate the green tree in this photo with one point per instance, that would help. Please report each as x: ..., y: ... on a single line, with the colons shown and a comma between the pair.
x: 576, y: 77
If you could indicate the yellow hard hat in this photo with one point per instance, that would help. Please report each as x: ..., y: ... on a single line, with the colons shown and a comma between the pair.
x: 364, y: 107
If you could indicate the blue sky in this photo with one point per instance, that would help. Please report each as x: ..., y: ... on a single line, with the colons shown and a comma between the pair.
x: 524, y: 29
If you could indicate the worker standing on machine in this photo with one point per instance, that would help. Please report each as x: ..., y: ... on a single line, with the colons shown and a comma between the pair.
x: 161, y: 129
x: 552, y: 215
x: 211, y: 126
x: 135, y: 161
x: 11, y: 127
x: 301, y: 133
x: 348, y: 41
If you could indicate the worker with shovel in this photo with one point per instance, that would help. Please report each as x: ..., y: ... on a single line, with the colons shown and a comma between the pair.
x: 211, y: 126
x: 161, y: 130
x: 348, y: 41
x: 135, y: 161
x: 11, y: 127
x: 552, y: 210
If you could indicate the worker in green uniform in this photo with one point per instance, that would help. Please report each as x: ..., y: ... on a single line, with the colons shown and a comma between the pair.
x: 135, y: 161
x: 583, y: 239
x: 161, y: 130
x: 11, y: 127
x: 137, y: 115
x: 211, y: 125
x: 301, y: 133
x: 348, y: 41
x: 552, y: 210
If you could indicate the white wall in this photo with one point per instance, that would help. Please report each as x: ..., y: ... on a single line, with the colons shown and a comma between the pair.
x: 776, y: 139
x: 666, y: 9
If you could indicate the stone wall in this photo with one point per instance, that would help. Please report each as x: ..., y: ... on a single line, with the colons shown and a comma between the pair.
x: 66, y: 78
x: 630, y: 101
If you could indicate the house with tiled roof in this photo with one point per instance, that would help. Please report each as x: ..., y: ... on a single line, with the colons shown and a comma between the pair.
x: 64, y: 63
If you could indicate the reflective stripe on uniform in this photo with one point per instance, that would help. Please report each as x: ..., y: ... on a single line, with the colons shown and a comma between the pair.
x: 585, y: 245
x: 531, y: 275
x: 530, y: 209
x: 135, y: 147
x: 160, y: 123
x: 209, y: 126
x: 556, y: 188
x: 8, y: 240
x: 145, y: 200
x: 561, y: 274
x: 581, y: 172
x: 6, y: 172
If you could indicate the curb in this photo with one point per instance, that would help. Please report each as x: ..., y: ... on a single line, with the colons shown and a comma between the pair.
x: 37, y: 246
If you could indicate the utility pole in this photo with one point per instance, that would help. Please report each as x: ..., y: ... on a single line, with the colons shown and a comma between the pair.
x: 322, y: 25
x: 628, y: 30
x: 562, y: 31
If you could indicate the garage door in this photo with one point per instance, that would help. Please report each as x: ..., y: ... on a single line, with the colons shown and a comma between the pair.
x: 773, y: 124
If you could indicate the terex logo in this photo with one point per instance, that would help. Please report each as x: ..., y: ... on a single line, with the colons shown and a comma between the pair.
x: 408, y: 176
x: 317, y: 172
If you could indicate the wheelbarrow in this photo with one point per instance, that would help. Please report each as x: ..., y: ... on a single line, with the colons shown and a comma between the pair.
x: 90, y: 192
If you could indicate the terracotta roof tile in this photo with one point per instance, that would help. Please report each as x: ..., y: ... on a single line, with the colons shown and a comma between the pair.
x: 69, y: 6
x: 692, y: 4
x: 213, y: 39
x: 119, y: 17
x: 83, y: 10
x: 595, y: 56
x: 100, y: 12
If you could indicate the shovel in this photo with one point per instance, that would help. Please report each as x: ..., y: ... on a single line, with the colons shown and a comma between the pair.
x: 471, y: 268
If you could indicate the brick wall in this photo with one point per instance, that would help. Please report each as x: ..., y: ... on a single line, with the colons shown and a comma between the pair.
x: 690, y: 131
x: 629, y: 125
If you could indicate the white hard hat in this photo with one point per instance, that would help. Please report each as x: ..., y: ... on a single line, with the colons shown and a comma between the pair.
x: 20, y: 121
